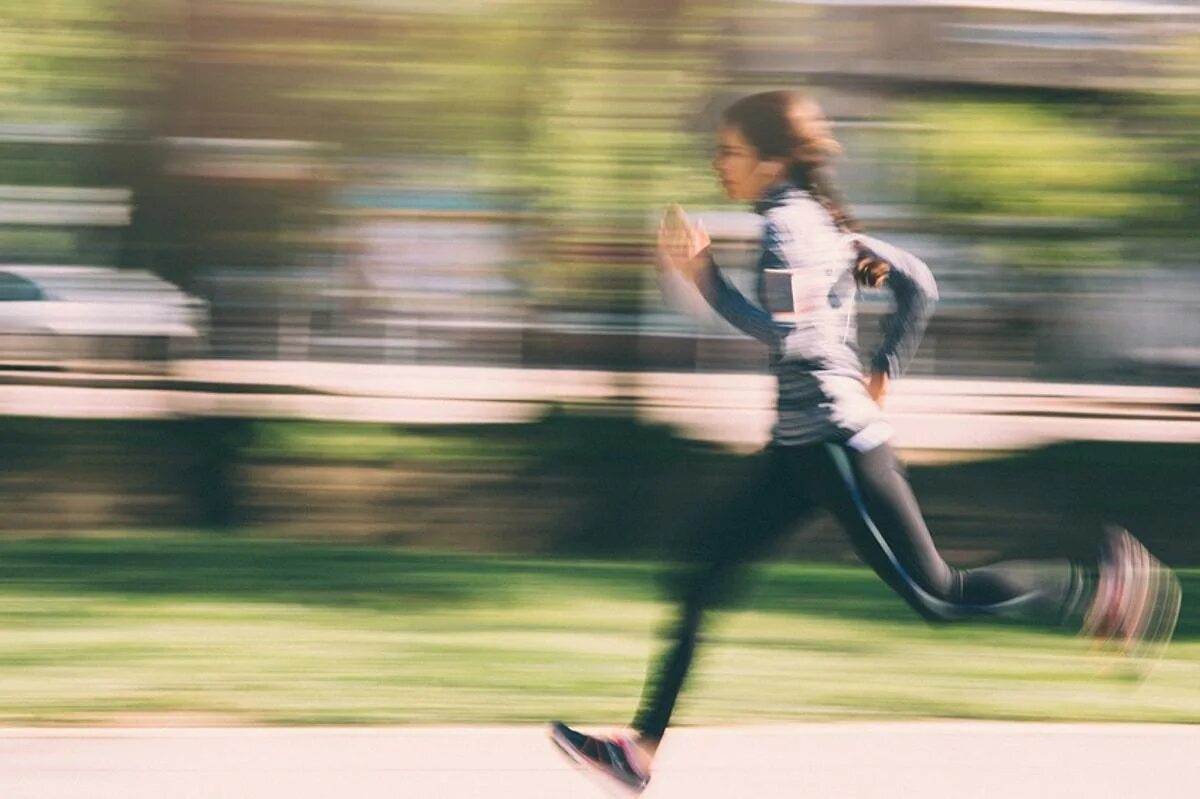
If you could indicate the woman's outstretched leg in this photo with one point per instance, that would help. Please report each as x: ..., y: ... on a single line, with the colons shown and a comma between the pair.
x: 771, y: 502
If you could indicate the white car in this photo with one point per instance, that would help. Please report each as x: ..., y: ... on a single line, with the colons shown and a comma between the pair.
x: 65, y: 315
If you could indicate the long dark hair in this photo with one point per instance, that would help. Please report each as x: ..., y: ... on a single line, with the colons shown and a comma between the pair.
x: 790, y: 126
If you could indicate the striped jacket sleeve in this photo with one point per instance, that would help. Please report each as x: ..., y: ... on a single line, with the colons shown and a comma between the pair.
x: 734, y: 307
x: 915, y: 293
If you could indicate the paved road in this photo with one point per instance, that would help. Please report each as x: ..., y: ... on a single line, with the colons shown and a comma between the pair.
x: 930, y: 760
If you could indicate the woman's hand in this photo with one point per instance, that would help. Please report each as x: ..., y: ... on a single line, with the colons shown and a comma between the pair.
x: 877, y: 387
x: 682, y: 246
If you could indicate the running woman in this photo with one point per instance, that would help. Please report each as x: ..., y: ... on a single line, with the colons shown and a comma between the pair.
x: 829, y: 446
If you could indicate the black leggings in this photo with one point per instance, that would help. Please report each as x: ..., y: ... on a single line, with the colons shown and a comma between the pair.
x: 872, y: 500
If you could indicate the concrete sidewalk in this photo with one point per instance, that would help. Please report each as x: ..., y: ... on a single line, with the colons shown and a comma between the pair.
x: 929, y: 760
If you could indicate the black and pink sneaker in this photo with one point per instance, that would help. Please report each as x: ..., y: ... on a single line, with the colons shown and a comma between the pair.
x: 1137, y: 600
x: 613, y: 758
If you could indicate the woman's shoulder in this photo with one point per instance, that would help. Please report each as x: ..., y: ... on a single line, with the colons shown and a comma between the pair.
x: 799, y: 215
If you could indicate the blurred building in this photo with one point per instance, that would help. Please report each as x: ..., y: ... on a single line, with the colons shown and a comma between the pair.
x: 1096, y: 45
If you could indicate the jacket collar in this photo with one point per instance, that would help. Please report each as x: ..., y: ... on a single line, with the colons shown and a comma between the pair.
x: 777, y: 194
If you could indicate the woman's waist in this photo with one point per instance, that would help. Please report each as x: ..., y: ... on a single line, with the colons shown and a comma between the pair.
x: 833, y: 361
x: 820, y: 384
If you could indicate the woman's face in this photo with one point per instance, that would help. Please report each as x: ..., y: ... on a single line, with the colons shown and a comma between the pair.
x: 743, y: 175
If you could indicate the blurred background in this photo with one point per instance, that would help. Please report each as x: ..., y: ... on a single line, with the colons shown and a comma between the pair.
x: 378, y: 273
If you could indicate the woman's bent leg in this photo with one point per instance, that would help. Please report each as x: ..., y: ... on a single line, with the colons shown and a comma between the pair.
x: 872, y: 499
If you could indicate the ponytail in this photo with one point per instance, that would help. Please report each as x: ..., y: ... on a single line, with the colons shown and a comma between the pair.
x: 870, y: 270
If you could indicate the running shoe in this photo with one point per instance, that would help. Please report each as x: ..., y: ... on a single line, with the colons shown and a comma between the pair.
x: 1137, y: 600
x: 613, y: 758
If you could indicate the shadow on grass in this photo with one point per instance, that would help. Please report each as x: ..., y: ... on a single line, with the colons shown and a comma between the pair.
x: 285, y: 571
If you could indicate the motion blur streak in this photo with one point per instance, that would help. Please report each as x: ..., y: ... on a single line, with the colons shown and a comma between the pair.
x: 380, y: 273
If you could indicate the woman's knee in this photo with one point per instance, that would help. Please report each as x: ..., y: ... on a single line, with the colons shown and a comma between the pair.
x: 937, y: 599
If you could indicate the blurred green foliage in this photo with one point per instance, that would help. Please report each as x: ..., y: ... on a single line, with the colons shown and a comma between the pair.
x: 1031, y: 161
x: 1084, y: 182
x: 66, y: 61
x: 575, y: 110
x: 1175, y: 111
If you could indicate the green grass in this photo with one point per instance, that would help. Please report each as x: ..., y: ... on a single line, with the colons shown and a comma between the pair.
x: 171, y: 627
x: 335, y: 442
